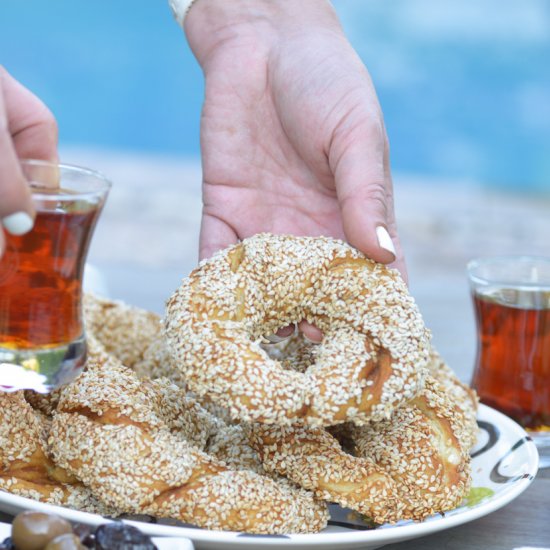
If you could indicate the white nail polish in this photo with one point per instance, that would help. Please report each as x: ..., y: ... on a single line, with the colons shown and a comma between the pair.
x: 384, y: 240
x: 18, y: 223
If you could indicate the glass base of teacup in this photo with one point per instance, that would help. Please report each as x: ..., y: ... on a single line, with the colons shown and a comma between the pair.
x: 41, y: 369
x: 542, y: 442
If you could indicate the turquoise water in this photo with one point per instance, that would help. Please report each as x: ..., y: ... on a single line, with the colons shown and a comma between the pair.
x: 465, y: 86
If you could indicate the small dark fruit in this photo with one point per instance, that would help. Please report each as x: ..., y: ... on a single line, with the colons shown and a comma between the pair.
x: 121, y: 536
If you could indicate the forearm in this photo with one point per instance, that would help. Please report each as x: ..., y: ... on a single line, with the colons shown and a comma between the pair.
x: 210, y: 23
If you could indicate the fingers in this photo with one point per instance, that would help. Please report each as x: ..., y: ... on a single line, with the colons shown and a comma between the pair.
x: 399, y: 263
x: 282, y: 334
x: 311, y: 332
x: 359, y: 157
x: 16, y: 210
x: 361, y: 189
x: 286, y: 332
x: 215, y: 235
x: 27, y: 130
x: 32, y: 126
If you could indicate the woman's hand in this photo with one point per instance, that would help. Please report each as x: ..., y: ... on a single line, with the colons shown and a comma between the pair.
x: 27, y: 130
x: 292, y: 135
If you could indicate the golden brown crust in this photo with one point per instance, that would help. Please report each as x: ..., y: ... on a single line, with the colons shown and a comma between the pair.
x: 464, y: 397
x: 26, y: 468
x: 124, y: 331
x: 141, y: 459
x: 421, y: 448
x: 157, y: 363
x: 131, y: 334
x: 410, y: 466
x: 46, y: 403
x: 375, y: 348
x: 312, y: 458
x: 298, y: 354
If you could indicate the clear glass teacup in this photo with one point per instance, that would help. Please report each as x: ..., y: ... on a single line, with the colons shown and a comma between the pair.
x: 42, y: 340
x: 511, y: 296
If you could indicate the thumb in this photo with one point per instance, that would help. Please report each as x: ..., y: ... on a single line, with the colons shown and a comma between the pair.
x: 364, y: 195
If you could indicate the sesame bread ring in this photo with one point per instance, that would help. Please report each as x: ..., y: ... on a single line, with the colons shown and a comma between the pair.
x: 298, y: 354
x: 424, y: 447
x: 464, y: 397
x: 312, y: 458
x: 123, y: 330
x: 375, y: 347
x: 121, y: 436
x: 410, y: 466
x: 27, y: 469
x: 131, y: 334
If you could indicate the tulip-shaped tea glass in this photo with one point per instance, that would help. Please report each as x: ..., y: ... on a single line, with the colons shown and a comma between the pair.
x: 42, y: 341
x: 512, y: 372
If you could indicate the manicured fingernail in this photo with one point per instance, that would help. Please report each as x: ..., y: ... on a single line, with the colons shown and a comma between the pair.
x: 310, y: 341
x: 274, y: 339
x: 384, y: 240
x: 282, y: 334
x: 18, y: 223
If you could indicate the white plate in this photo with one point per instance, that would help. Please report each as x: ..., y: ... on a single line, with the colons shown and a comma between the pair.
x: 161, y: 543
x: 505, y: 462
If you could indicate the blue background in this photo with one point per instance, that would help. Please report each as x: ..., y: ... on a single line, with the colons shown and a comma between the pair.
x: 465, y: 86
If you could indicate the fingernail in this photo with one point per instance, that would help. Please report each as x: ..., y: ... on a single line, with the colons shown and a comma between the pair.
x: 18, y: 223
x: 285, y: 332
x: 274, y: 339
x: 384, y: 240
x: 282, y: 334
x: 309, y: 340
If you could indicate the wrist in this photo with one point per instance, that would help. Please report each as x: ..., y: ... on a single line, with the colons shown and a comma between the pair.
x: 210, y: 23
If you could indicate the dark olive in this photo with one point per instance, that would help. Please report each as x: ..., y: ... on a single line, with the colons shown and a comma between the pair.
x: 122, y: 537
x: 33, y: 530
x: 65, y: 542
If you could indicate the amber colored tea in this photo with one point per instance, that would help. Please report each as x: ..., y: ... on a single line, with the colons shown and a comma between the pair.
x: 42, y: 339
x: 512, y: 370
x: 40, y: 281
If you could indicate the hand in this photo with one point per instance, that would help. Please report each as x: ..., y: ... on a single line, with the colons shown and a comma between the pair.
x: 27, y: 130
x: 292, y: 135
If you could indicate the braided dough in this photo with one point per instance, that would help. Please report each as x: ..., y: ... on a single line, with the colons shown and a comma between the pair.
x: 410, y: 466
x: 373, y: 356
x: 136, y: 444
x: 118, y: 443
x: 298, y: 354
x: 125, y: 331
x: 464, y: 397
x: 26, y: 467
